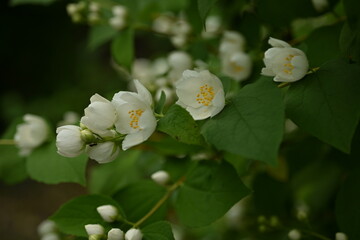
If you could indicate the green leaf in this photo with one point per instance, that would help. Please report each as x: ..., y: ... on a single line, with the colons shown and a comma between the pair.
x: 99, y: 35
x: 75, y: 214
x: 160, y: 104
x: 139, y: 198
x: 209, y: 191
x: 158, y: 231
x: 324, y: 103
x: 122, y: 48
x: 46, y: 165
x: 204, y: 7
x: 352, y: 11
x: 252, y: 124
x: 111, y: 177
x: 347, y: 206
x: 179, y: 124
x: 350, y: 43
x: 40, y: 2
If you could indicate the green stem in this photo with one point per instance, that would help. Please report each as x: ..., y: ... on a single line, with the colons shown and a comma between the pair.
x: 7, y: 142
x: 317, y: 235
x: 159, y: 115
x: 168, y: 193
x: 284, y: 84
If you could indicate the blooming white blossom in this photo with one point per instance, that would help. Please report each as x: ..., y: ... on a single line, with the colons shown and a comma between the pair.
x: 31, y: 133
x: 135, y: 115
x: 160, y: 177
x: 100, y: 116
x: 231, y: 42
x: 212, y: 26
x: 320, y: 5
x: 341, y: 236
x: 108, y: 212
x: 103, y: 152
x: 294, y: 234
x: 46, y: 226
x: 237, y: 65
x: 200, y: 93
x: 115, y: 234
x: 179, y: 60
x: 284, y: 63
x: 133, y: 234
x: 94, y: 229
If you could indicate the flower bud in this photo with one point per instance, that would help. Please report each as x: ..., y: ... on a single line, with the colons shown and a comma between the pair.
x: 94, y: 229
x: 163, y: 24
x: 160, y: 177
x: 119, y: 11
x: 46, y: 226
x: 320, y: 5
x: 108, y: 212
x: 50, y: 236
x: 180, y: 60
x: 236, y: 65
x: 87, y: 136
x: 231, y: 42
x: 115, y: 234
x: 71, y: 8
x: 133, y: 234
x: 340, y: 236
x: 94, y: 7
x: 294, y: 234
x: 69, y: 141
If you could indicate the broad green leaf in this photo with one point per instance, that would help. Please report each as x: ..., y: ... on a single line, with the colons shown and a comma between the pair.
x: 158, y: 231
x: 160, y: 104
x: 111, y: 177
x: 252, y: 124
x: 169, y: 146
x: 40, y: 2
x: 322, y: 45
x: 12, y: 165
x: 75, y: 214
x: 204, y: 7
x: 179, y: 124
x: 99, y: 35
x: 350, y: 43
x: 352, y: 11
x: 239, y: 163
x: 209, y: 191
x: 325, y: 103
x: 347, y: 206
x: 122, y: 48
x: 139, y: 198
x: 46, y: 165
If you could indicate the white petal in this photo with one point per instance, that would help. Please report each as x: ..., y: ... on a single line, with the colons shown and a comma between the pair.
x: 98, y: 98
x: 103, y: 152
x: 143, y: 92
x: 278, y: 43
x: 267, y: 72
x: 132, y: 140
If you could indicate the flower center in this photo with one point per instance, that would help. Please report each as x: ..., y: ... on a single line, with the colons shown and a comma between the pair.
x: 206, y: 95
x: 135, y: 116
x: 235, y: 67
x: 288, y: 67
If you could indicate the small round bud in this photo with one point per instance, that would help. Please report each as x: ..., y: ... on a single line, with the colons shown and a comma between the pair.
x: 115, y: 234
x: 94, y: 229
x: 71, y: 8
x: 108, y: 212
x: 133, y: 234
x: 160, y: 177
x: 119, y: 11
x: 87, y: 136
x: 94, y: 7
x: 294, y: 234
x: 117, y: 22
x: 45, y: 227
x: 340, y: 236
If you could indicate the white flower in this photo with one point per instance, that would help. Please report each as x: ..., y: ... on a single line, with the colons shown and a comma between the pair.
x: 117, y: 22
x: 72, y: 8
x: 294, y: 234
x: 212, y: 26
x: 284, y: 63
x: 237, y: 65
x: 320, y: 5
x: 231, y: 42
x: 200, y: 93
x: 142, y: 70
x: 181, y: 27
x: 160, y: 66
x: 179, y: 60
x: 30, y: 134
x: 100, y: 116
x: 94, y: 6
x: 340, y: 236
x: 160, y: 177
x: 46, y: 226
x: 108, y: 212
x: 69, y: 141
x: 179, y: 40
x: 115, y: 234
x: 103, y: 152
x: 119, y: 11
x: 94, y: 229
x: 163, y: 24
x: 50, y: 236
x: 135, y: 115
x: 133, y: 234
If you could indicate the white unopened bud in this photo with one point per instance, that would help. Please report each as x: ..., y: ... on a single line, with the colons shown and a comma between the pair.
x: 340, y: 236
x: 45, y: 227
x: 179, y: 40
x: 108, y: 212
x: 294, y: 234
x: 163, y: 24
x: 71, y: 8
x: 119, y: 11
x: 50, y: 236
x: 94, y: 229
x: 320, y: 5
x: 94, y: 7
x: 160, y: 177
x: 117, y: 22
x: 115, y: 234
x: 133, y: 234
x: 180, y: 60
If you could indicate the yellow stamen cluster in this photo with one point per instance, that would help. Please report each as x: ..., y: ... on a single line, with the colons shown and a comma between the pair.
x: 288, y: 66
x: 235, y: 67
x: 206, y: 95
x: 135, y: 116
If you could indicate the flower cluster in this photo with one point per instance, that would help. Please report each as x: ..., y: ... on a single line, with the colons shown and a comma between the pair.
x: 235, y: 63
x: 126, y: 121
x: 118, y: 20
